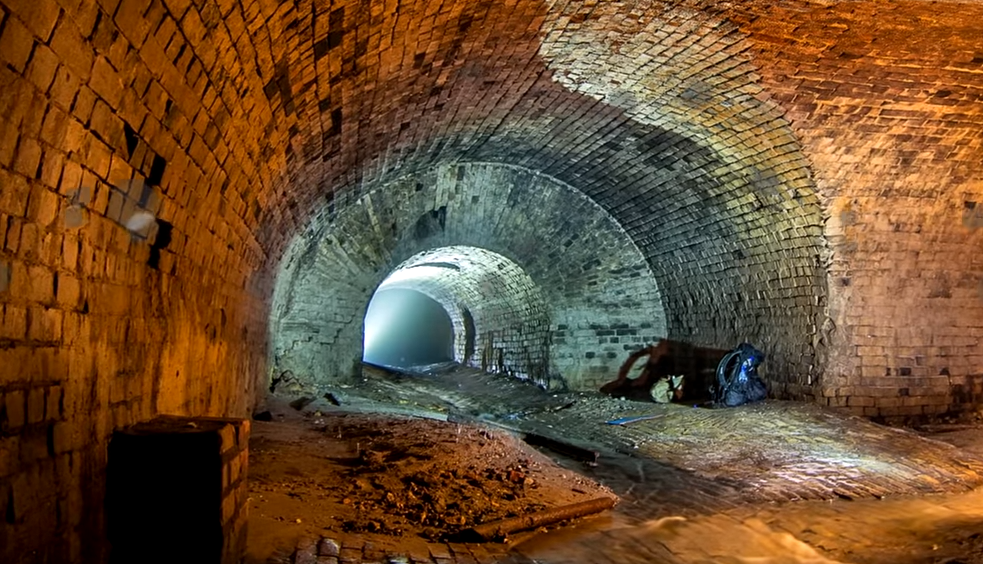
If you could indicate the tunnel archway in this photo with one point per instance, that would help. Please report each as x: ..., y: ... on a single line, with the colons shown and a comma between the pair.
x: 501, y: 321
x: 599, y: 294
x: 767, y: 171
x: 696, y: 165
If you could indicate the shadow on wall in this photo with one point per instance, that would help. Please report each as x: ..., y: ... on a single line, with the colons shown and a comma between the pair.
x: 405, y: 328
x: 666, y: 358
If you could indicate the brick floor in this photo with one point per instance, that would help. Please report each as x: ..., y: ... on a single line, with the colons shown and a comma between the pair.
x: 709, y: 472
x: 770, y: 451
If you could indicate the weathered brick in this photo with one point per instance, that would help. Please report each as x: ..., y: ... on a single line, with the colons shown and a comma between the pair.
x: 785, y: 188
x: 35, y: 405
x: 15, y: 402
x: 53, y: 407
x: 28, y: 157
x: 39, y: 15
x: 105, y: 81
x: 9, y: 456
x: 41, y: 70
x: 16, y: 44
x: 131, y: 23
x: 501, y: 342
x: 72, y: 49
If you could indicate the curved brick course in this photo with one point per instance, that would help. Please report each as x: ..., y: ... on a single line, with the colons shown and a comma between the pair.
x: 804, y: 176
x: 587, y: 296
x: 507, y: 327
x: 887, y: 104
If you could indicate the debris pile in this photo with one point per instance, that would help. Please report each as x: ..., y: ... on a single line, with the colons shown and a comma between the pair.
x: 441, y: 478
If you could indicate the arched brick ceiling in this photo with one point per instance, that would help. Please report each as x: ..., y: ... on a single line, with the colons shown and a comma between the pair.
x: 753, y: 151
x: 261, y: 113
x: 595, y: 294
x: 666, y: 128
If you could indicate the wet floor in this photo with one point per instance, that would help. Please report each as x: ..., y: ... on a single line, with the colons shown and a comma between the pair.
x: 936, y: 529
x: 771, y: 483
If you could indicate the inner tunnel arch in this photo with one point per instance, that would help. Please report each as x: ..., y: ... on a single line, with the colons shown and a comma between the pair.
x: 660, y: 119
x: 509, y: 329
x: 600, y: 295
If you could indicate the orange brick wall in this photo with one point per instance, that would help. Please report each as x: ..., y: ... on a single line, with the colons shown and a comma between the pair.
x: 104, y: 325
x: 888, y: 103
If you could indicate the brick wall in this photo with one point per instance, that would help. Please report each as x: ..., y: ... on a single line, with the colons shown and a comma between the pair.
x: 509, y: 316
x: 888, y: 103
x: 561, y: 296
x: 178, y: 477
x: 127, y: 254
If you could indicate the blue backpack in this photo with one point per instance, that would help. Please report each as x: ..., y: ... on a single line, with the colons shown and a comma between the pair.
x: 737, y: 377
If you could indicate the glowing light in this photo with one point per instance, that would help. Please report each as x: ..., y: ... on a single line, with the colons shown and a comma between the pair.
x: 414, y: 274
x: 404, y: 327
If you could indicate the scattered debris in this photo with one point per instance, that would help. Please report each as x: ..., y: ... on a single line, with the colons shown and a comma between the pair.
x: 738, y: 382
x: 402, y: 477
x: 667, y: 389
x: 333, y: 399
x: 286, y: 383
x: 632, y: 419
x: 566, y: 405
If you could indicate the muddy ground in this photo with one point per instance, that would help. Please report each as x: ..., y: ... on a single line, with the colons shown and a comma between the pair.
x: 320, y: 472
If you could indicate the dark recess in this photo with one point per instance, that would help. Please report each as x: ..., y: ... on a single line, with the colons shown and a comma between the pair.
x: 157, y: 171
x: 163, y: 239
x: 164, y: 496
x: 131, y: 139
x: 430, y: 223
x: 469, y: 334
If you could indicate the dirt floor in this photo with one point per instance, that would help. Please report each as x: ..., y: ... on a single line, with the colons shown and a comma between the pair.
x: 314, y: 473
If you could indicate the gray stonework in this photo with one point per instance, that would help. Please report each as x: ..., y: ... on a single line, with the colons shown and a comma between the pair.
x: 509, y: 317
x: 573, y: 294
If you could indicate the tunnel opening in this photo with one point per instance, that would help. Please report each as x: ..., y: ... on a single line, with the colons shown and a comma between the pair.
x: 803, y: 176
x: 464, y: 304
x: 406, y: 328
x: 529, y: 293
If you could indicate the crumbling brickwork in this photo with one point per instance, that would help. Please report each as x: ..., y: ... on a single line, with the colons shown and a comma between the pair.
x: 127, y: 265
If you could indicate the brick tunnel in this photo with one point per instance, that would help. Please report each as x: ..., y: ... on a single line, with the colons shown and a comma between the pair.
x: 197, y: 198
